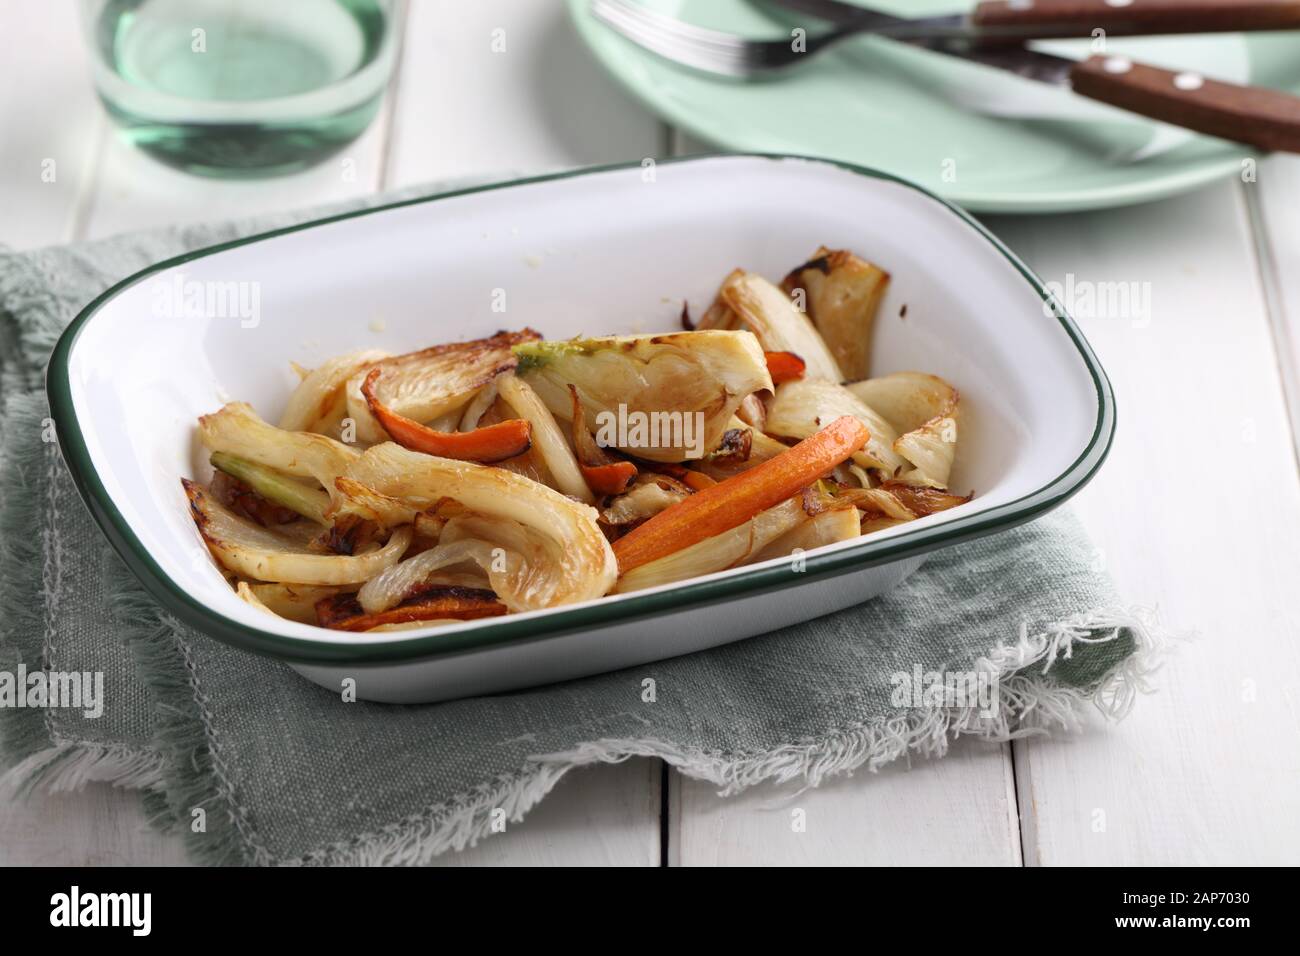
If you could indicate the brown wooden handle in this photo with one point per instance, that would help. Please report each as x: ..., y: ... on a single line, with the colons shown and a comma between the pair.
x: 1068, y: 18
x: 1264, y: 118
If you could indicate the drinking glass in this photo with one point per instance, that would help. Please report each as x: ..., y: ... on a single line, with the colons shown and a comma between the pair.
x: 241, y: 87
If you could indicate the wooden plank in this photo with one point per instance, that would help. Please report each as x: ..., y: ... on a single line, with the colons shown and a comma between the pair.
x: 584, y: 822
x: 45, y: 152
x: 538, y: 103
x: 97, y: 826
x: 958, y: 811
x: 1273, y: 202
x: 606, y: 815
x: 1195, y: 513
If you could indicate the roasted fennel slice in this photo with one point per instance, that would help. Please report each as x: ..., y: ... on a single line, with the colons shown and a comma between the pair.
x: 779, y: 325
x: 254, y: 552
x: 237, y: 431
x: 424, y: 385
x: 802, y: 407
x: 841, y: 294
x: 907, y: 400
x: 663, y: 398
x: 923, y: 410
x: 319, y: 404
x: 549, y: 549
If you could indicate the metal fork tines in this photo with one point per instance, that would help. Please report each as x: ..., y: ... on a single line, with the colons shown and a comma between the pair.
x: 710, y: 50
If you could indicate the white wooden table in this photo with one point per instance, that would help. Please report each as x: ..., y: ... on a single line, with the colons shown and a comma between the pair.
x: 1197, y: 512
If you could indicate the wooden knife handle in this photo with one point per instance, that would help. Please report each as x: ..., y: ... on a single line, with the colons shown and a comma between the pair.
x: 1079, y: 18
x: 1264, y: 118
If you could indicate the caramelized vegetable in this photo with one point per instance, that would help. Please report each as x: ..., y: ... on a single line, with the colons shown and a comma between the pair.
x: 922, y: 501
x: 907, y: 400
x: 551, y: 550
x: 752, y: 412
x: 274, y: 487
x: 780, y: 326
x: 259, y: 554
x: 605, y: 474
x: 826, y: 527
x: 319, y: 403
x: 737, y: 445
x: 551, y: 445
x: 485, y: 445
x: 738, y: 499
x: 297, y: 602
x: 343, y: 612
x: 659, y: 397
x: 762, y: 447
x: 238, y: 431
x: 784, y: 366
x: 718, y: 552
x: 922, y: 409
x: 430, y: 383
x: 649, y: 495
x: 842, y: 295
x: 610, y: 479
x: 240, y: 498
x: 932, y: 448
x: 802, y: 406
x: 689, y: 478
x: 719, y: 315
x: 877, y: 502
x: 900, y: 500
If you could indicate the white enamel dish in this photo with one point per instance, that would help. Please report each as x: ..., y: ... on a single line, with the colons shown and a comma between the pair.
x: 611, y: 250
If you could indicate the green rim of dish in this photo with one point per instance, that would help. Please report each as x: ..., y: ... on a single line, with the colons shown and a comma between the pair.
x: 369, y: 651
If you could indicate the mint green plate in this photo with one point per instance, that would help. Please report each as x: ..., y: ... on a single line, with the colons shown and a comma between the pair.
x: 982, y: 138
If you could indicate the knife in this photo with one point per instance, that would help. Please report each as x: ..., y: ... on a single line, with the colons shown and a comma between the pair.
x: 1256, y: 116
x: 1009, y: 20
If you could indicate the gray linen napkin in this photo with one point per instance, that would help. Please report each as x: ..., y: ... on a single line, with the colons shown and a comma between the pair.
x: 1010, y: 634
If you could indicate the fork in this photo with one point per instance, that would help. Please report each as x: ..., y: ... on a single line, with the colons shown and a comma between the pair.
x: 992, y: 23
x: 1256, y: 116
x: 712, y: 50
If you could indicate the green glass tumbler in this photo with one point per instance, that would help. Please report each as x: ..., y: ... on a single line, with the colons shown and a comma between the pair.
x: 241, y: 87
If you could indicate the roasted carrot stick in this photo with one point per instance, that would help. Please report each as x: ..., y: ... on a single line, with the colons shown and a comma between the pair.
x: 784, y: 366
x: 729, y: 503
x: 486, y: 445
